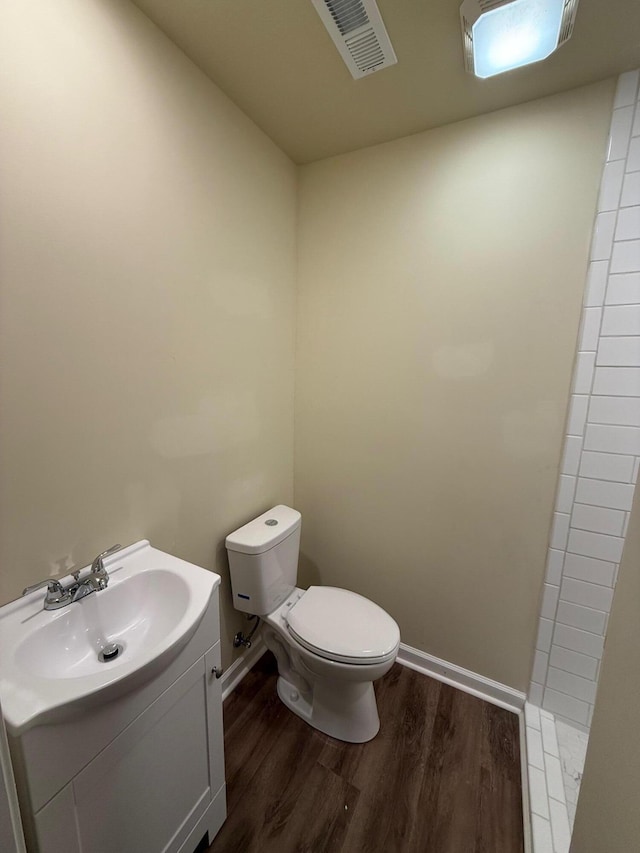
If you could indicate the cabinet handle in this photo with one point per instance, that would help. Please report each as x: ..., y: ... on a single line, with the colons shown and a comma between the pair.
x: 217, y: 671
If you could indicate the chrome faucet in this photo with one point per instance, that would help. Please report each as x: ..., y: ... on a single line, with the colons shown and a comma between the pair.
x: 58, y: 595
x: 97, y: 567
x: 97, y: 579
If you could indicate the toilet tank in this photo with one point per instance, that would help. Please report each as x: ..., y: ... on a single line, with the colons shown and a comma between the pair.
x: 263, y: 560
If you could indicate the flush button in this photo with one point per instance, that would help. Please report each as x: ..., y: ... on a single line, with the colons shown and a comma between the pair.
x: 271, y: 522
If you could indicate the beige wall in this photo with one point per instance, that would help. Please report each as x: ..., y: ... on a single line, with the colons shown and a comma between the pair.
x: 147, y: 263
x: 440, y: 285
x: 147, y: 266
x: 608, y: 817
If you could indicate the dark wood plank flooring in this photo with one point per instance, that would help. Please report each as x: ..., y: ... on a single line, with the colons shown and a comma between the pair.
x: 442, y: 776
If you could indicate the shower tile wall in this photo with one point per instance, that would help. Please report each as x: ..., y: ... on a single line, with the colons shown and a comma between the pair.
x: 602, y: 446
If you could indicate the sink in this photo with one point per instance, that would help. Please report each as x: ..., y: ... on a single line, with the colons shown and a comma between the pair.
x: 49, y: 660
x: 138, y: 614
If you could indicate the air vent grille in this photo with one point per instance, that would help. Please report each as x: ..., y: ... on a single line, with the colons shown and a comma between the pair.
x: 347, y: 14
x: 467, y: 44
x: 568, y: 20
x: 358, y: 32
x: 365, y: 50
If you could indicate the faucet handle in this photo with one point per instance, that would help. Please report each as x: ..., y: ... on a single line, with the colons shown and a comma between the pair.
x: 52, y: 584
x: 97, y: 566
x: 56, y: 595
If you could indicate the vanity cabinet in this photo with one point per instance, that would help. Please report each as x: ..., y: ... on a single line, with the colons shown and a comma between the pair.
x: 143, y: 773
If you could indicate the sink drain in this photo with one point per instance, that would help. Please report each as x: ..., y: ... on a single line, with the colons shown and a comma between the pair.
x: 109, y: 652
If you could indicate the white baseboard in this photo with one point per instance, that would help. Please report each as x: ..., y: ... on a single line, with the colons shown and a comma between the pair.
x: 456, y: 676
x: 233, y: 675
x: 463, y: 679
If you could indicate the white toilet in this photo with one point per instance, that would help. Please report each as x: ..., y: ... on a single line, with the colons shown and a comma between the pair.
x: 330, y: 644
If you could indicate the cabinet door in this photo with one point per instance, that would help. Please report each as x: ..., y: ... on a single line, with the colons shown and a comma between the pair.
x: 11, y: 839
x: 56, y: 826
x: 147, y: 789
x: 214, y: 715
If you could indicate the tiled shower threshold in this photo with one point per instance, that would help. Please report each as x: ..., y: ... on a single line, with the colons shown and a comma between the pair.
x: 555, y: 755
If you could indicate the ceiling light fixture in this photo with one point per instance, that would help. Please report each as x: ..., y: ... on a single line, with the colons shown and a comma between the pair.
x: 499, y: 35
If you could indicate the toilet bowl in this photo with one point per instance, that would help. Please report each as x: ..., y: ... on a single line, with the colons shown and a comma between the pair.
x: 330, y: 644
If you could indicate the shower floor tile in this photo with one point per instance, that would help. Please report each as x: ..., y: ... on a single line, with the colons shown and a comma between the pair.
x: 572, y: 744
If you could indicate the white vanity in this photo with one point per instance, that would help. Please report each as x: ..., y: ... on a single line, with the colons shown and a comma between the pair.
x: 123, y: 755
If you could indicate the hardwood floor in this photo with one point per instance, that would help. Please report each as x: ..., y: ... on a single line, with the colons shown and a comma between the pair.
x: 442, y: 776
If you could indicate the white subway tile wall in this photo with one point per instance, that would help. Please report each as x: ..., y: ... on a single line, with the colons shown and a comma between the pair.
x: 577, y: 414
x: 582, y: 617
x: 588, y: 569
x: 606, y: 466
x: 559, y: 825
x: 630, y: 189
x: 550, y: 601
x: 555, y: 560
x: 611, y: 188
x: 599, y: 469
x: 583, y: 373
x: 572, y: 450
x: 633, y: 160
x: 628, y: 225
x: 602, y: 493
x: 602, y: 242
x: 560, y: 530
x: 626, y: 254
x: 597, y: 281
x: 598, y: 520
x: 598, y: 545
x: 618, y: 352
x: 550, y: 827
x: 574, y: 662
x: 615, y: 410
x: 612, y: 439
x: 620, y: 135
x: 590, y: 331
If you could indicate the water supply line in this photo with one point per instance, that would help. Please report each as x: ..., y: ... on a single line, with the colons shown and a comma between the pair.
x: 241, y: 640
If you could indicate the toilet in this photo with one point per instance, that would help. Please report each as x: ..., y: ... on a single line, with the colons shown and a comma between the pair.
x: 330, y: 644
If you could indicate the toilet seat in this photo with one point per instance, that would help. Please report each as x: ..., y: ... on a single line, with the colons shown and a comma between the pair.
x: 343, y: 626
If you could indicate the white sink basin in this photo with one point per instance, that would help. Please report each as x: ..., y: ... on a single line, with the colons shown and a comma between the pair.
x: 49, y: 660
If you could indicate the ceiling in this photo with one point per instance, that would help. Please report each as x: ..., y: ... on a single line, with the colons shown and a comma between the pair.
x: 276, y: 61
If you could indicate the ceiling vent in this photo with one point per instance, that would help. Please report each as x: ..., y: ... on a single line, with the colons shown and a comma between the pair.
x: 358, y: 32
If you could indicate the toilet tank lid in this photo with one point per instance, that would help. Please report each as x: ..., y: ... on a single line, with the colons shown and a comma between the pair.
x: 265, y: 531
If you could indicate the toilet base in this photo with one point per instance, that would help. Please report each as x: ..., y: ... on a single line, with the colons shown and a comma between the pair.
x: 346, y: 711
